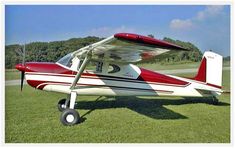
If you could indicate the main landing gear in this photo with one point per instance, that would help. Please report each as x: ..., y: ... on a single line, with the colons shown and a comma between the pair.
x: 69, y: 115
x: 215, y: 101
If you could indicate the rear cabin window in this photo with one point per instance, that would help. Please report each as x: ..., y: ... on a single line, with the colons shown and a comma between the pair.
x: 113, y: 68
x: 95, y: 66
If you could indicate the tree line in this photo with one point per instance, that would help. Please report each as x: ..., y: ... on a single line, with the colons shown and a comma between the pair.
x: 53, y: 51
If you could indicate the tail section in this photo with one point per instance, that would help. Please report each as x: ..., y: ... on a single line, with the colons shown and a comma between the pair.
x: 210, y: 70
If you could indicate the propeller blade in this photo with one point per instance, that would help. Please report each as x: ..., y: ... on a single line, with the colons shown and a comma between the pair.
x: 22, y: 80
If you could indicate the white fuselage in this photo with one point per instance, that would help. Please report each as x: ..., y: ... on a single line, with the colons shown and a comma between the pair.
x: 106, y: 85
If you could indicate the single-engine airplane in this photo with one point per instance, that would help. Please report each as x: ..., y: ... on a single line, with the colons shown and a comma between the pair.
x: 115, y: 75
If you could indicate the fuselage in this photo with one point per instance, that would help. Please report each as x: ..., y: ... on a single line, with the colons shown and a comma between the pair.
x: 134, y: 81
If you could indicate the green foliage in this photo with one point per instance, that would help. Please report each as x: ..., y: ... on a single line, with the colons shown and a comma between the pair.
x: 193, y: 55
x: 53, y: 51
x: 46, y: 51
x: 227, y: 58
x: 150, y: 35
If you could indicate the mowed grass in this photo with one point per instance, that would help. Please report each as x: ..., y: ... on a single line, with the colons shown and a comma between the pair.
x: 12, y: 74
x: 31, y: 116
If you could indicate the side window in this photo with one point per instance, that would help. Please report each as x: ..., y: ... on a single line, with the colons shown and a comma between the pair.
x: 113, y: 68
x: 80, y: 64
x: 99, y: 66
x: 95, y: 66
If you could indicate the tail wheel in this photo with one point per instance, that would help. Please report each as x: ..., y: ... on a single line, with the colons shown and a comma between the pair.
x: 62, y: 105
x: 69, y: 117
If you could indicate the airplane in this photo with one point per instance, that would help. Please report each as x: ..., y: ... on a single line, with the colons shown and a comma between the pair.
x: 106, y: 68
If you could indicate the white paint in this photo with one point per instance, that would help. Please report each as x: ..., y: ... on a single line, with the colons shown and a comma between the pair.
x: 96, y: 85
x: 70, y: 118
x: 154, y: 89
x: 73, y: 97
x: 214, y: 63
x: 75, y: 64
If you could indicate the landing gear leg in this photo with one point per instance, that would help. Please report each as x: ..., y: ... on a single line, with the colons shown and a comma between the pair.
x: 70, y: 116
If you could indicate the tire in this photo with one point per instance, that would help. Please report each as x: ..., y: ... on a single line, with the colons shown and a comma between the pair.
x: 61, y: 105
x: 69, y: 117
x: 215, y: 101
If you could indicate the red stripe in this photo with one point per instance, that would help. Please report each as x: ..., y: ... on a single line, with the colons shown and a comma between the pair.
x: 37, y: 83
x: 112, y: 79
x: 220, y: 87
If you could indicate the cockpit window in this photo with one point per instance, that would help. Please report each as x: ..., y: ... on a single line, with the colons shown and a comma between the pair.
x: 66, y: 60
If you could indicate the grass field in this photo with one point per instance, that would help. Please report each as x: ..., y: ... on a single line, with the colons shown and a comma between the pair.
x: 12, y: 74
x: 32, y: 117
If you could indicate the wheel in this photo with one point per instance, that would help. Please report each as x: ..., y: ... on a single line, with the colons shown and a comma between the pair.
x: 215, y: 101
x: 62, y: 105
x: 69, y: 117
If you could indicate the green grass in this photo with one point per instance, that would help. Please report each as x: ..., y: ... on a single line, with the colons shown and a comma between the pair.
x: 12, y: 74
x: 32, y: 117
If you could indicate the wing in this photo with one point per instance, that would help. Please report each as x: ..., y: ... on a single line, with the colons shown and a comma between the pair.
x: 127, y: 48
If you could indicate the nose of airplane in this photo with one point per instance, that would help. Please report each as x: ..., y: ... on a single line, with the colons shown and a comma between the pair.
x: 20, y: 67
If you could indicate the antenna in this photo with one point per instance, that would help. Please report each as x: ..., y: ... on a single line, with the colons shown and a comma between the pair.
x: 23, y: 61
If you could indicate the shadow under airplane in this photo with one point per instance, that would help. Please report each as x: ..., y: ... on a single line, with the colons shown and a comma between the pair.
x: 153, y: 108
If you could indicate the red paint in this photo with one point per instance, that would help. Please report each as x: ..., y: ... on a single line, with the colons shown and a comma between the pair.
x: 46, y: 67
x: 201, y: 74
x: 213, y: 85
x: 151, y: 76
x: 35, y: 83
x: 147, y: 55
x: 147, y: 40
x: 146, y: 75
x: 20, y: 67
x: 103, y: 77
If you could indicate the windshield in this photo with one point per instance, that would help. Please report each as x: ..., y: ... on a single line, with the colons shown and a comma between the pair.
x: 66, y: 60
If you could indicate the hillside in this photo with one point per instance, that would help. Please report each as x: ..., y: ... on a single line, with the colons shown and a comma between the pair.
x: 52, y: 51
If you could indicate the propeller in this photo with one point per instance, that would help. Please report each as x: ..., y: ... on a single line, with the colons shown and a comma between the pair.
x: 22, y: 80
x: 21, y: 67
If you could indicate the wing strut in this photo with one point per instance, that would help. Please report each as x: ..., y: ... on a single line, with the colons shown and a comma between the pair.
x: 69, y: 115
x: 81, y: 69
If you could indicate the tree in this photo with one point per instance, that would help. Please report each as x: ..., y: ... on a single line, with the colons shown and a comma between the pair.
x: 151, y: 36
x: 53, y: 51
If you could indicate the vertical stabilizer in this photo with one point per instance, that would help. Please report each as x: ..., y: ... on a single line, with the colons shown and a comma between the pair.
x: 210, y: 70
